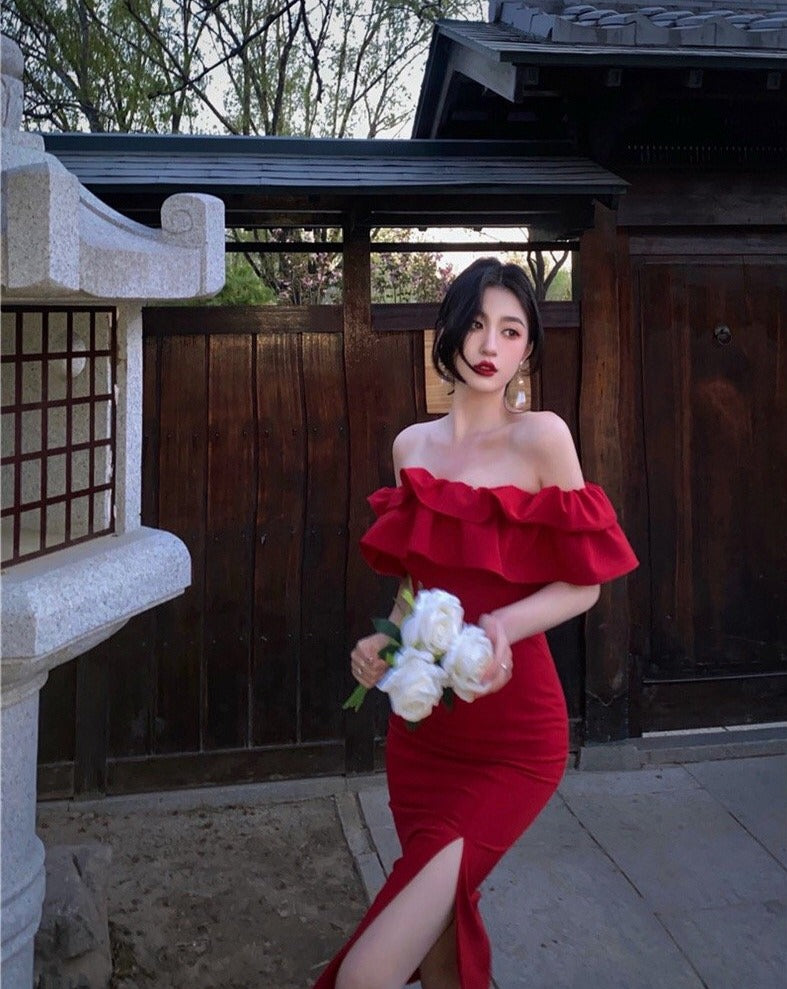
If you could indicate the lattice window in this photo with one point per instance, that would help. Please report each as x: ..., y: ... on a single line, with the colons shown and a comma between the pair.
x: 58, y: 427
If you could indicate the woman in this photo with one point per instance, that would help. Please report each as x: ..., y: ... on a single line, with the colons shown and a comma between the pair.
x: 492, y: 507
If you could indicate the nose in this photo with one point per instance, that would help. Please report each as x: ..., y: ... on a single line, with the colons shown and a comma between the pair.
x: 489, y: 343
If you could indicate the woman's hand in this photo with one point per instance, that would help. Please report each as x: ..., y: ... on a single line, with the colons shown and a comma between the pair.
x: 497, y: 672
x: 365, y: 663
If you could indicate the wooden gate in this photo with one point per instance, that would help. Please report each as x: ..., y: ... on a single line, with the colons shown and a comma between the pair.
x: 715, y: 404
x: 247, y: 458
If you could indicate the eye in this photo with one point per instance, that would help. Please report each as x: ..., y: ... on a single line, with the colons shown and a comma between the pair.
x: 476, y: 325
x: 511, y: 332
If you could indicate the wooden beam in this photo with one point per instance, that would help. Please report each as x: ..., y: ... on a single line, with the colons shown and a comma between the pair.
x: 502, y: 78
x: 607, y: 624
x: 363, y: 394
x: 727, y: 199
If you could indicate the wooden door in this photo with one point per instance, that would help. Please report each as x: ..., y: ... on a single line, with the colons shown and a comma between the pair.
x: 714, y: 402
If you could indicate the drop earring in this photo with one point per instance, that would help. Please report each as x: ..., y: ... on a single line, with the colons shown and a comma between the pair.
x: 515, y: 397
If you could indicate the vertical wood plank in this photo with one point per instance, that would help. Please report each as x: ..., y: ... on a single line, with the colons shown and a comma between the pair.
x: 90, y: 757
x: 765, y: 302
x: 556, y: 387
x: 56, y: 715
x: 635, y: 503
x: 229, y: 562
x: 363, y: 412
x: 279, y: 539
x: 606, y: 625
x: 181, y: 510
x: 323, y: 656
x: 380, y: 402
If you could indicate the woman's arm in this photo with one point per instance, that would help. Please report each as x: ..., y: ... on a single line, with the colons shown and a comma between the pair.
x: 558, y: 464
x: 551, y: 606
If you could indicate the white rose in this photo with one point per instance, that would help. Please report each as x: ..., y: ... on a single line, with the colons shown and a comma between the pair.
x: 414, y: 685
x: 434, y: 623
x: 465, y: 660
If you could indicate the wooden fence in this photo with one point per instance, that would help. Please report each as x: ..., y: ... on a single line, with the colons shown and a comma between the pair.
x: 263, y: 430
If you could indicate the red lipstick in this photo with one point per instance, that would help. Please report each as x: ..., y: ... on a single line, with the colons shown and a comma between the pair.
x: 485, y: 368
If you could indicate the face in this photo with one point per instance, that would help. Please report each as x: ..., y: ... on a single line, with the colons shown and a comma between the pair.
x: 497, y: 342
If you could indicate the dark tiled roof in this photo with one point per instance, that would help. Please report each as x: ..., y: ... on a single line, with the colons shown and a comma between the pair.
x: 695, y: 24
x: 172, y: 163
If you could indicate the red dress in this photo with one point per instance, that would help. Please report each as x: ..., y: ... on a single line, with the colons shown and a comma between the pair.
x: 482, y: 771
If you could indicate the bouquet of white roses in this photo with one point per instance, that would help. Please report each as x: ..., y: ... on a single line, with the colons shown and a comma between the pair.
x: 433, y: 655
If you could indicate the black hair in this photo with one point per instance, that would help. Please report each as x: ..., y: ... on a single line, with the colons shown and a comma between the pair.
x: 462, y: 303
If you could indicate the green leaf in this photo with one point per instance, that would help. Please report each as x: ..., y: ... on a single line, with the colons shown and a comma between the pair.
x: 448, y: 698
x: 387, y: 627
x: 355, y: 699
x: 388, y: 652
x: 407, y: 597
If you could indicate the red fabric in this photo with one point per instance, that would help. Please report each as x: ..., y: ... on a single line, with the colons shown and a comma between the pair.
x: 482, y: 771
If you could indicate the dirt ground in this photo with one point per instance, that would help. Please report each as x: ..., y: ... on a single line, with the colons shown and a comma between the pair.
x: 221, y: 898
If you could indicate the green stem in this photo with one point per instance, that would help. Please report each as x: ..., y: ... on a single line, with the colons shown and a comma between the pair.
x: 355, y: 699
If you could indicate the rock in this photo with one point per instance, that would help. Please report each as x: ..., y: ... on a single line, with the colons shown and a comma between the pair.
x: 72, y: 948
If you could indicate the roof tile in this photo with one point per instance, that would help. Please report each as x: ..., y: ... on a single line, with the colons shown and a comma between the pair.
x: 623, y: 23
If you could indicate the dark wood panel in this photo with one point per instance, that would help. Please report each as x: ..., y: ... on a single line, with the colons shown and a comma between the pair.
x: 359, y: 730
x: 55, y: 781
x: 606, y: 625
x: 162, y: 321
x: 716, y: 468
x: 191, y: 320
x: 402, y: 317
x: 556, y: 387
x: 729, y: 199
x: 709, y: 703
x: 181, y: 510
x: 325, y: 539
x: 382, y: 400
x: 229, y: 561
x: 281, y: 439
x: 92, y: 710
x: 170, y: 772
x: 634, y: 508
x: 677, y: 246
x: 56, y: 715
x: 129, y: 656
x: 666, y: 407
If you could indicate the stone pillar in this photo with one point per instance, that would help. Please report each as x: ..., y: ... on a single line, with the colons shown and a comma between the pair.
x: 22, y: 851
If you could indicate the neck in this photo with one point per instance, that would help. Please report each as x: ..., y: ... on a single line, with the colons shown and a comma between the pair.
x: 474, y: 413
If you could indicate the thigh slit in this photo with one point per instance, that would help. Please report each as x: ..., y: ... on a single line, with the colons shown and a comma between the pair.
x: 473, y: 952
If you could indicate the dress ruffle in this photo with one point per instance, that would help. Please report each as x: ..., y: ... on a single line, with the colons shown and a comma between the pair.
x: 521, y: 536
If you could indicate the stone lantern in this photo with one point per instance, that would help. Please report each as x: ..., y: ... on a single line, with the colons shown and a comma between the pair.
x: 77, y: 563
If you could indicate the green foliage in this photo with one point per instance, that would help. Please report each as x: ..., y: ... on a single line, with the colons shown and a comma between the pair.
x: 91, y: 64
x: 243, y: 285
x: 308, y: 67
x: 560, y: 288
x: 407, y: 277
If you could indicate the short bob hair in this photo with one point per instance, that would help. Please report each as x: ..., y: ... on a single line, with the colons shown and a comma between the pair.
x: 462, y: 303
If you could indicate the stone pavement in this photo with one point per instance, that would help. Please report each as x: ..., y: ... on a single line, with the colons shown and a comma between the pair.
x: 663, y: 877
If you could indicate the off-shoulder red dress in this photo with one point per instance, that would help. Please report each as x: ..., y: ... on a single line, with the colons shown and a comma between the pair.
x: 482, y: 771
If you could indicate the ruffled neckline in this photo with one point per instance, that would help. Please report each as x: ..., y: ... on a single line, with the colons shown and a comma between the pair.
x: 525, y: 537
x: 433, y: 478
x: 578, y: 509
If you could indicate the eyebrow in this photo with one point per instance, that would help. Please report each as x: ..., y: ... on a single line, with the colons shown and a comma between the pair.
x: 512, y: 319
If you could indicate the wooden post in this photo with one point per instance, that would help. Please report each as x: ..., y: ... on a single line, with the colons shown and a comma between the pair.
x: 364, y: 470
x: 607, y: 624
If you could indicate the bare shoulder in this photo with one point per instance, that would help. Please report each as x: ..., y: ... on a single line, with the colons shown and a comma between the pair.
x: 408, y: 444
x: 545, y: 439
